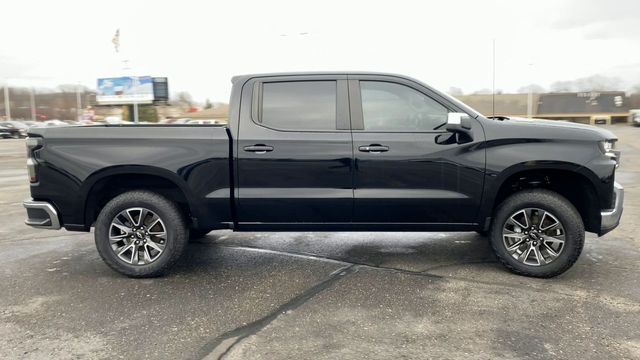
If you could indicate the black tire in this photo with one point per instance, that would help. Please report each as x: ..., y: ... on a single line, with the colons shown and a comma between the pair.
x: 176, y: 230
x: 195, y: 234
x: 563, y: 210
x: 482, y: 233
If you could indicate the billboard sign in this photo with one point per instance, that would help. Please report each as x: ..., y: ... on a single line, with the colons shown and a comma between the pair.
x: 125, y: 90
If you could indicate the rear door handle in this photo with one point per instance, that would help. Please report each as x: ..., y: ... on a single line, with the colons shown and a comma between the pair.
x: 374, y: 148
x: 258, y: 148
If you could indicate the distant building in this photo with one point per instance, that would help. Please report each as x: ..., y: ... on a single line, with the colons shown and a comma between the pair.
x: 505, y: 104
x: 634, y: 101
x: 592, y: 107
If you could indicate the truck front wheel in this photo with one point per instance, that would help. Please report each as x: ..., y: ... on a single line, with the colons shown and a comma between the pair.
x: 537, y: 233
x: 140, y: 234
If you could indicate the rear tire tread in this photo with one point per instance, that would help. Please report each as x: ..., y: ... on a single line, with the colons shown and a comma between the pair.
x: 178, y: 234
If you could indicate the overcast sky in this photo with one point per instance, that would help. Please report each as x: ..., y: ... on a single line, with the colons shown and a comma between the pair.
x: 199, y: 45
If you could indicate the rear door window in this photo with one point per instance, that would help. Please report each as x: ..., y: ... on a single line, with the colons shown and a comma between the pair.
x: 299, y: 105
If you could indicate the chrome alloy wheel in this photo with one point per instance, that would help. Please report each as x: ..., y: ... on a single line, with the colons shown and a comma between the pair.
x: 137, y: 236
x: 533, y: 236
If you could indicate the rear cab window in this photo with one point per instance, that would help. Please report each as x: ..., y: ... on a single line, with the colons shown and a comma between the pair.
x: 298, y: 105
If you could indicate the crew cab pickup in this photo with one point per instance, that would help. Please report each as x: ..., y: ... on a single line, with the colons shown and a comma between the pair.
x: 329, y: 152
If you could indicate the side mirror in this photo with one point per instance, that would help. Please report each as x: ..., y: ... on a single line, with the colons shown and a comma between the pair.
x: 459, y: 124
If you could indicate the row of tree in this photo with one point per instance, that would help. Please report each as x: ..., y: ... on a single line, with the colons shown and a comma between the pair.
x: 62, y: 103
x: 590, y: 83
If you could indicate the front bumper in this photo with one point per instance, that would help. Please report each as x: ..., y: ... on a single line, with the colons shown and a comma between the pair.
x: 609, y: 219
x: 41, y: 214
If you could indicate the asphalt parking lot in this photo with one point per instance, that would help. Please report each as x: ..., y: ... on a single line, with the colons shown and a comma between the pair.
x: 316, y: 295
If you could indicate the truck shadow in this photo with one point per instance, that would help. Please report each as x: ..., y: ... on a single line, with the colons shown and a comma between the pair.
x: 413, y: 252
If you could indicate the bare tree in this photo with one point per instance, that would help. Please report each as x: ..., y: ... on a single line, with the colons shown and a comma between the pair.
x: 455, y: 91
x: 535, y: 88
x: 590, y: 83
x: 482, y: 92
x: 183, y: 98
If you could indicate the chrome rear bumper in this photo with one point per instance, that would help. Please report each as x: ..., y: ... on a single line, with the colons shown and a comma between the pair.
x: 609, y: 219
x: 41, y: 214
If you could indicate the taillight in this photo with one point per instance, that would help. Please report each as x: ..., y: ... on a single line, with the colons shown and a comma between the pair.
x: 31, y: 169
x: 32, y: 144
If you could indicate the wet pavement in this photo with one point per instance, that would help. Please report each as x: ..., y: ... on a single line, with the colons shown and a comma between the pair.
x: 315, y: 295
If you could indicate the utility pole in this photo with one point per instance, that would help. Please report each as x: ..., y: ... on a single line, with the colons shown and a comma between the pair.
x: 32, y: 99
x: 530, y: 94
x: 530, y: 102
x: 135, y: 99
x: 78, y: 103
x: 7, y: 105
x: 493, y: 84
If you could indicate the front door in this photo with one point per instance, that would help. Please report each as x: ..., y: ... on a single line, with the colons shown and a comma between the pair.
x: 294, y: 153
x: 402, y: 175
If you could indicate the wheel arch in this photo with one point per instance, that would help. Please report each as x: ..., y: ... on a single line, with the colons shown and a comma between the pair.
x: 107, y: 183
x: 573, y: 181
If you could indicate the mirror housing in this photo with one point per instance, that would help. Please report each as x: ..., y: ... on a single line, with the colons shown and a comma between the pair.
x: 459, y: 124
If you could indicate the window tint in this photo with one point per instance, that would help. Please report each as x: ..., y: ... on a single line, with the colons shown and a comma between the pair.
x: 299, y: 105
x: 394, y: 107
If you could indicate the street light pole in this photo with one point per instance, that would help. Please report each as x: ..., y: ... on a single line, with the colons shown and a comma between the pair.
x: 7, y: 105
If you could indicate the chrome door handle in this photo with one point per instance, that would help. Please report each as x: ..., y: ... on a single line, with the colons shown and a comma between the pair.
x: 374, y: 148
x: 258, y: 148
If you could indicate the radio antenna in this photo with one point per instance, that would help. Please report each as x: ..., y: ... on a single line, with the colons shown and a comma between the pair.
x: 493, y: 88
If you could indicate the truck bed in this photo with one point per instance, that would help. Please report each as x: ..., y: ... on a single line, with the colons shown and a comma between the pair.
x: 79, y: 158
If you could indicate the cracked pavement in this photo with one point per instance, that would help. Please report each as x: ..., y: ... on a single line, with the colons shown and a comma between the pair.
x: 315, y: 295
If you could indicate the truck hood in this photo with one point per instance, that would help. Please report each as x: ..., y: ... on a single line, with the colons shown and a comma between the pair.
x: 560, y: 125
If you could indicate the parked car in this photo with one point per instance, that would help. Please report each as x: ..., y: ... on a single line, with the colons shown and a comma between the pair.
x: 203, y: 122
x: 329, y: 152
x: 113, y: 120
x: 15, y: 128
x: 87, y: 122
x: 54, y: 122
x: 5, y: 133
x: 634, y: 117
x: 30, y: 123
x: 181, y: 121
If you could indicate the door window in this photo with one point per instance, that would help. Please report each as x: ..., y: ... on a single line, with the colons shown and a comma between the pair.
x: 299, y: 105
x: 394, y: 107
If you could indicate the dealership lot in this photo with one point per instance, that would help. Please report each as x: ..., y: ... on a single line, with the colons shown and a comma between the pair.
x: 319, y: 295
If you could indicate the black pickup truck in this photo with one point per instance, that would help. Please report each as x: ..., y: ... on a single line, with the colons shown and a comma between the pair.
x: 329, y: 152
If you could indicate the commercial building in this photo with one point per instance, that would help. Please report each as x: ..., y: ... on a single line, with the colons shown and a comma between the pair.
x: 593, y: 107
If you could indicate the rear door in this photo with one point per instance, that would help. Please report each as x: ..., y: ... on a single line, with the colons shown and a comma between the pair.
x: 294, y: 152
x: 402, y: 174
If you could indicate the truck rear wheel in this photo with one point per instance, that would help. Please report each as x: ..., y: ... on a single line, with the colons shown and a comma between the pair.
x: 140, y: 234
x: 537, y: 233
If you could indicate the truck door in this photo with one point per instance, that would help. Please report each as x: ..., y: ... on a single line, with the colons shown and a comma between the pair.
x: 294, y: 151
x: 402, y: 175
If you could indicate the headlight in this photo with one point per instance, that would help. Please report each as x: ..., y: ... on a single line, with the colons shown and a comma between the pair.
x: 607, y: 146
x: 608, y: 149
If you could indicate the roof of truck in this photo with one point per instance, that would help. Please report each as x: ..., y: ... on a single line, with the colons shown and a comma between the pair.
x: 244, y: 78
x: 303, y: 73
